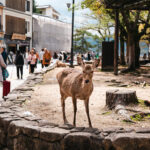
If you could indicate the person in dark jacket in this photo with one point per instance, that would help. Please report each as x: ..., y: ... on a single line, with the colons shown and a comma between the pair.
x: 55, y: 55
x: 19, y: 61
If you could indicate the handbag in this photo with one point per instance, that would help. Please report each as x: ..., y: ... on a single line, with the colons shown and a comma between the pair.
x: 5, y: 73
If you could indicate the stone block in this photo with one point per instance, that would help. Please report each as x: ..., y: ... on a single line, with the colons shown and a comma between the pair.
x: 53, y: 134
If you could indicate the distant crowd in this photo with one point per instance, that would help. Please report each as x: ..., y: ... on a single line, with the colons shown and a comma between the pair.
x: 32, y: 58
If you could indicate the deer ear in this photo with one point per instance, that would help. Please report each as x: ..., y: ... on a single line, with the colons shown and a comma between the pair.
x: 94, y: 64
x: 82, y: 64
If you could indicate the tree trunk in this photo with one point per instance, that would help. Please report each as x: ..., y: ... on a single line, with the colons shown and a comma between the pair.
x: 137, y: 54
x: 127, y: 53
x: 122, y: 58
x: 131, y: 48
x: 120, y: 97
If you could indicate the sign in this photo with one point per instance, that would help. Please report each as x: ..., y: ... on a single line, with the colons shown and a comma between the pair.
x: 16, y: 36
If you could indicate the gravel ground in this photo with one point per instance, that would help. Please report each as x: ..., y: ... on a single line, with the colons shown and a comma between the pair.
x: 46, y: 100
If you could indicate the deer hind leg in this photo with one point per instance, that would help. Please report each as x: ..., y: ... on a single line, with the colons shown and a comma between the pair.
x: 86, y: 102
x: 74, y: 101
x: 63, y: 97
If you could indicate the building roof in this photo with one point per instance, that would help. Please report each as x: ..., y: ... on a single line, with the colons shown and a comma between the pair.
x: 44, y: 6
x: 127, y: 4
x: 47, y: 6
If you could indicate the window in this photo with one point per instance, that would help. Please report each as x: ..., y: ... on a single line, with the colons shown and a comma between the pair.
x: 27, y: 5
x: 27, y: 26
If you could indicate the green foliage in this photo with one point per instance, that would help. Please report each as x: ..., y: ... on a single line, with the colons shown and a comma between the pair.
x: 101, y: 20
x: 81, y: 43
x: 35, y: 10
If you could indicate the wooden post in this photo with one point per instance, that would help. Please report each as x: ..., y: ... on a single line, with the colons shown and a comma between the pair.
x: 116, y: 42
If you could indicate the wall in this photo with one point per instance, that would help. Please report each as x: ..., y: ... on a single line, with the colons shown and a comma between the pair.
x: 23, y: 15
x: 15, y: 25
x: 16, y: 4
x: 52, y: 34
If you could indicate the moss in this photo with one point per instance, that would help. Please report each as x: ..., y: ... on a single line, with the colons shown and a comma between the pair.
x: 137, y: 117
x: 141, y: 102
x: 140, y: 117
x: 106, y: 113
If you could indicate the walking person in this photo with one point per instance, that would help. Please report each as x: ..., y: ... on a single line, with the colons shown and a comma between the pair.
x: 37, y: 57
x: 26, y: 57
x: 46, y: 58
x: 55, y: 56
x: 2, y: 65
x: 19, y: 62
x: 4, y: 56
x: 89, y: 56
x: 41, y: 57
x: 32, y: 60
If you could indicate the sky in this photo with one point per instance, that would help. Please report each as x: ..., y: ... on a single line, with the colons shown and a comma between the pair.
x: 61, y: 7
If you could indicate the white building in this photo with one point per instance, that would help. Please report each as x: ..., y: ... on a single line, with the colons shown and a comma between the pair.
x: 17, y: 24
x: 48, y: 10
x: 53, y: 34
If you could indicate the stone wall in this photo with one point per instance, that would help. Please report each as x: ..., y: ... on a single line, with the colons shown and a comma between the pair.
x: 19, y: 131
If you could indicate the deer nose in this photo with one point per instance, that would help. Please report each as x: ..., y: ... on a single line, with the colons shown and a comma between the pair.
x: 86, y: 81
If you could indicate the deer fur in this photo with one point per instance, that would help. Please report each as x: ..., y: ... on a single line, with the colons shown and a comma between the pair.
x: 78, y: 85
x: 60, y: 64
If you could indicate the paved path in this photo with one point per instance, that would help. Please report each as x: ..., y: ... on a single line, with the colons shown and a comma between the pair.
x: 15, y: 82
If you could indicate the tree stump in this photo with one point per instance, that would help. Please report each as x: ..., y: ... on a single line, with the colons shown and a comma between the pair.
x: 120, y: 97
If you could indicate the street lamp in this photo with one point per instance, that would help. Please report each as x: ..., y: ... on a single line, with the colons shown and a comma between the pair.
x: 72, y: 33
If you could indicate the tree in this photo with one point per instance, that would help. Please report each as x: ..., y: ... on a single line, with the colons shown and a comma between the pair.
x: 98, y: 43
x: 82, y: 42
x: 35, y: 10
x: 129, y: 28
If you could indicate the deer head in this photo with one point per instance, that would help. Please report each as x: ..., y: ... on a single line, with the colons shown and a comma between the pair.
x: 87, y: 72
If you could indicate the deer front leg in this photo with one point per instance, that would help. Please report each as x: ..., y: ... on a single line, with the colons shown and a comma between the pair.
x: 63, y: 109
x: 86, y: 102
x: 74, y: 101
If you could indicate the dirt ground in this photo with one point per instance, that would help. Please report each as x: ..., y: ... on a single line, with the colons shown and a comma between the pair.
x: 46, y: 100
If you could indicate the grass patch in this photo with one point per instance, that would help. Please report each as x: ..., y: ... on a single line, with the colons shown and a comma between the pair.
x: 140, y: 117
x: 137, y: 117
x: 144, y: 103
x: 141, y: 102
x: 106, y: 113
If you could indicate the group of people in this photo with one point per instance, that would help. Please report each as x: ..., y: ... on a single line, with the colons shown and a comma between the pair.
x: 31, y: 59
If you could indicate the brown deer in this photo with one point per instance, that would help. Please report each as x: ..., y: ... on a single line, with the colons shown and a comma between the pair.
x: 77, y: 85
x: 60, y: 64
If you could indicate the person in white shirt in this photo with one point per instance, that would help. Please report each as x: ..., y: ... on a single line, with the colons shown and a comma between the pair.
x: 41, y: 57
